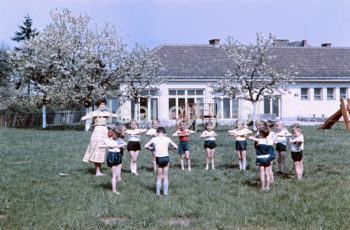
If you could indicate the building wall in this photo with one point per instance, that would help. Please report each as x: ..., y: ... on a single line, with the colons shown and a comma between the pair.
x: 293, y: 106
x: 290, y: 104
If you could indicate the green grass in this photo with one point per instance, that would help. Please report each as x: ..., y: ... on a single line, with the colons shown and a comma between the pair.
x: 34, y: 196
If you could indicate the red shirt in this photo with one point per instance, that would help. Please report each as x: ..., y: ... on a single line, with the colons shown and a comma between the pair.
x: 183, y: 138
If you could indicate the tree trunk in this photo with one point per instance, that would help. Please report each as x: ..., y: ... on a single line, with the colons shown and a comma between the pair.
x: 44, y: 116
x: 134, y: 116
x: 254, y: 115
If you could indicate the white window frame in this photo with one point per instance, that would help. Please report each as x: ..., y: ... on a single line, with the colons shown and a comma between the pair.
x: 320, y: 96
x: 333, y: 93
x: 185, y: 96
x: 305, y: 97
x: 344, y: 96
x: 221, y: 112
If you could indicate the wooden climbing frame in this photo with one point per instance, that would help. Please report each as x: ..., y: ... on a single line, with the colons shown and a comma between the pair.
x: 342, y: 112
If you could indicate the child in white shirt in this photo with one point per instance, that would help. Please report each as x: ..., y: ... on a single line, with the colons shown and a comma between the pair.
x: 297, y: 147
x: 160, y: 144
x: 152, y: 132
x: 134, y: 145
x: 241, y: 144
x: 209, y: 144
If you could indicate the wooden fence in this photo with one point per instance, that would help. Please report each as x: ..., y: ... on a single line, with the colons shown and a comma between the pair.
x: 16, y: 120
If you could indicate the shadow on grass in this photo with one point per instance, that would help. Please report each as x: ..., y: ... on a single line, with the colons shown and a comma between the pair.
x: 227, y: 166
x: 105, y: 186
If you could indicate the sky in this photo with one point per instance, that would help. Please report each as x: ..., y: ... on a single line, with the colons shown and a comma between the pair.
x: 157, y: 22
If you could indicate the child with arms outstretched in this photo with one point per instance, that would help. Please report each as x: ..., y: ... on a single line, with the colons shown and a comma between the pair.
x: 152, y: 132
x: 114, y: 157
x: 297, y: 147
x: 184, y: 149
x: 263, y: 152
x: 281, y: 146
x: 241, y: 144
x: 134, y: 145
x: 209, y: 144
x: 160, y: 145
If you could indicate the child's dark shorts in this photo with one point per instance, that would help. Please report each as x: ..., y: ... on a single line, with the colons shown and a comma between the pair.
x: 241, y: 145
x: 263, y: 162
x: 209, y: 144
x: 114, y: 158
x: 272, y: 154
x: 162, y: 161
x: 183, y: 146
x: 297, y: 156
x: 281, y: 147
x: 134, y: 146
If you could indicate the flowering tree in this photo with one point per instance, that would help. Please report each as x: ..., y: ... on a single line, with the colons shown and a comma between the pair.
x: 141, y: 70
x: 249, y: 75
x: 6, y: 86
x: 73, y: 61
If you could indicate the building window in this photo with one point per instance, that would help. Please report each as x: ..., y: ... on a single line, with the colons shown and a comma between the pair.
x: 304, y: 94
x: 226, y: 108
x: 330, y: 94
x: 271, y: 105
x: 317, y: 93
x: 343, y: 93
x: 180, y: 99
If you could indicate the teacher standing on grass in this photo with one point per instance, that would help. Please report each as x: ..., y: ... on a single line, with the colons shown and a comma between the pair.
x: 94, y: 152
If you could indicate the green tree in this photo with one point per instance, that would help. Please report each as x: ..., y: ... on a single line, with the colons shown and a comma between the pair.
x: 26, y: 32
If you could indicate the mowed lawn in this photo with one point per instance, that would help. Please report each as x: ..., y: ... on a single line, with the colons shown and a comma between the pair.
x: 34, y: 196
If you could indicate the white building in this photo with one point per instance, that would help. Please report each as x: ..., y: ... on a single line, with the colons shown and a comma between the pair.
x: 323, y: 78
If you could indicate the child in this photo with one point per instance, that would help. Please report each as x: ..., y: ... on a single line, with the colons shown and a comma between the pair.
x: 114, y: 157
x: 152, y: 132
x: 134, y: 146
x: 184, y: 148
x: 160, y: 144
x: 272, y: 139
x: 297, y: 147
x: 122, y: 128
x: 241, y: 144
x: 281, y: 147
x: 263, y: 152
x: 209, y: 144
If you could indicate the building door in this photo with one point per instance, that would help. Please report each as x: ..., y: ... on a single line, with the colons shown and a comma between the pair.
x: 271, y: 105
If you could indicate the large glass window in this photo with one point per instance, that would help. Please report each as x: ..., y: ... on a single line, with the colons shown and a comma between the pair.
x: 234, y: 108
x: 271, y: 105
x: 226, y: 108
x: 218, y: 112
x: 330, y: 94
x: 226, y: 104
x: 304, y: 94
x: 180, y: 99
x: 343, y: 93
x: 317, y: 93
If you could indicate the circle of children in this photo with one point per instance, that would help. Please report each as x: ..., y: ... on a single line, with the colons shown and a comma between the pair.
x: 159, y: 144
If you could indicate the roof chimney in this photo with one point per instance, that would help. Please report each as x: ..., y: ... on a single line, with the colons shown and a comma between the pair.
x: 303, y: 43
x: 280, y: 42
x: 326, y: 44
x: 214, y: 42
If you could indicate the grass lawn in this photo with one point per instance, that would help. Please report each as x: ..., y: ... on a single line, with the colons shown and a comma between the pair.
x: 34, y: 196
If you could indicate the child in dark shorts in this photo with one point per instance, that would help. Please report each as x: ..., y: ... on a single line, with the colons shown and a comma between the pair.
x: 272, y: 139
x: 152, y: 132
x: 209, y: 144
x: 241, y: 144
x: 184, y: 149
x: 263, y: 152
x: 114, y: 157
x: 160, y: 145
x: 281, y: 146
x: 134, y: 145
x: 297, y: 147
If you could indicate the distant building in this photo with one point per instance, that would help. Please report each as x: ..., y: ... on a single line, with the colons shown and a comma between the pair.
x: 323, y: 78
